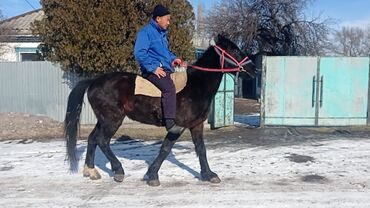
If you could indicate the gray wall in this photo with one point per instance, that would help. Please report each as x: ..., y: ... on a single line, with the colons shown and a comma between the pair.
x: 38, y: 88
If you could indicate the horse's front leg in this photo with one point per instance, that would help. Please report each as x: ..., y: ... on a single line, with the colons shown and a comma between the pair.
x: 200, y: 149
x: 152, y: 174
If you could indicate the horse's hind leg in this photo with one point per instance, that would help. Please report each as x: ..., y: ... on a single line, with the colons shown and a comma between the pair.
x: 89, y: 169
x: 200, y: 149
x: 152, y: 174
x: 106, y: 131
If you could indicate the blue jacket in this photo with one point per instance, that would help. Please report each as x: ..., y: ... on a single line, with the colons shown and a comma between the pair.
x: 151, y: 49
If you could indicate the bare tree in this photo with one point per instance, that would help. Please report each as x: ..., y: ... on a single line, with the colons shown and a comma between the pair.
x: 277, y: 27
x: 2, y: 32
x: 351, y: 41
x: 367, y: 41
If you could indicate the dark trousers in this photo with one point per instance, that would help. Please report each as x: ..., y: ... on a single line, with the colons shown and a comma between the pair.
x: 167, y: 87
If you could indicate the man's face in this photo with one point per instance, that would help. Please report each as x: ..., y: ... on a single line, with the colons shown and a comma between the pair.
x: 163, y: 21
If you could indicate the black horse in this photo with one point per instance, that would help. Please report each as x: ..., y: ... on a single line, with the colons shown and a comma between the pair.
x: 112, y: 98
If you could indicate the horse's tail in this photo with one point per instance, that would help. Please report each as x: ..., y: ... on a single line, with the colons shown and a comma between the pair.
x: 72, y: 120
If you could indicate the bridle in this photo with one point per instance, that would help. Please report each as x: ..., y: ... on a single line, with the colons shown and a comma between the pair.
x: 225, y: 56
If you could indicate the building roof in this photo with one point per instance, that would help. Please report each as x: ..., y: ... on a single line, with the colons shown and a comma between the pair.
x: 21, y: 24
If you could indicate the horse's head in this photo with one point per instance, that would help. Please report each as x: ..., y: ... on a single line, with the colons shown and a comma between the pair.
x: 232, y: 57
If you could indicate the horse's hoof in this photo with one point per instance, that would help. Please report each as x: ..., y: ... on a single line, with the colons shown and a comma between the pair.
x: 92, y: 173
x: 95, y: 176
x: 119, y: 177
x: 153, y: 182
x: 215, y: 180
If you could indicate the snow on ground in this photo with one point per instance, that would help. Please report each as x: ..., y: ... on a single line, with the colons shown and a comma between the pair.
x: 322, y: 173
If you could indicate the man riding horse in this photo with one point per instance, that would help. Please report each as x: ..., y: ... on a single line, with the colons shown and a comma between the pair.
x: 157, y: 62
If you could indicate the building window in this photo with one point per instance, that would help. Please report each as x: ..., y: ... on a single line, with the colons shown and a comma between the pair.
x: 27, y: 54
x: 30, y: 57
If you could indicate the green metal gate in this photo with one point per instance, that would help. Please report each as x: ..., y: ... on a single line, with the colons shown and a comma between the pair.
x: 222, y: 109
x: 315, y: 91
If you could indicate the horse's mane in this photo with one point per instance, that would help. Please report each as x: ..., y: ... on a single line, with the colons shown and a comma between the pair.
x: 220, y: 40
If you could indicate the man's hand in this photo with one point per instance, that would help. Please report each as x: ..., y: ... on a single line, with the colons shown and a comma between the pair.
x: 184, y: 64
x: 160, y: 72
x: 176, y: 62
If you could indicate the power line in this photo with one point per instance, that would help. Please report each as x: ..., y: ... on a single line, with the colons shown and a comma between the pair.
x: 30, y: 4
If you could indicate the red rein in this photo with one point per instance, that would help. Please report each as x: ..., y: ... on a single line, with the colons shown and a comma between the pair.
x: 223, y: 70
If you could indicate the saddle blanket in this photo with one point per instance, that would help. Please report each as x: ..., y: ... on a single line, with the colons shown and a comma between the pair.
x: 145, y: 87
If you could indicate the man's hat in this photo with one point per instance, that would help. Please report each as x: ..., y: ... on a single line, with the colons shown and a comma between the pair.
x: 160, y: 11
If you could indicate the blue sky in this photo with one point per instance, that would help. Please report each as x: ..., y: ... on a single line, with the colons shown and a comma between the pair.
x: 346, y: 12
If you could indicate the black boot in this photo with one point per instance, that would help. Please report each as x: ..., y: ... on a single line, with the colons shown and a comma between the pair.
x: 171, y: 127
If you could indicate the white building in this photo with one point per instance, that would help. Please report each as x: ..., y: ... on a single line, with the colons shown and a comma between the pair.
x: 16, y: 40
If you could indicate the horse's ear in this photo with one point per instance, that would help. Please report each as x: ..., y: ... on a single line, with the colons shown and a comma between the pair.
x: 220, y: 38
x: 215, y: 40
